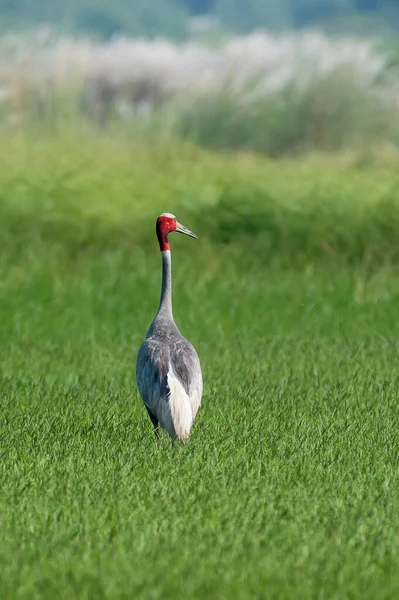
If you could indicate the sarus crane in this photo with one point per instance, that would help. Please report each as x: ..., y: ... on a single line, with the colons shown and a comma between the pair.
x: 168, y: 370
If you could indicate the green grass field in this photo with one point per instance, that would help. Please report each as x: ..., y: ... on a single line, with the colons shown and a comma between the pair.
x: 289, y: 485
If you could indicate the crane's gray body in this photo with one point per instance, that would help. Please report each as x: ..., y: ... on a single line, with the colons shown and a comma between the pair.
x: 168, y: 370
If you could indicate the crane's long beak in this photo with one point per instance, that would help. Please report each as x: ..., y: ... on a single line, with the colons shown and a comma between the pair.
x: 181, y: 229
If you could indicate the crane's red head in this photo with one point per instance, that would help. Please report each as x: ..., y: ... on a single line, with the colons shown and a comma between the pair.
x: 166, y: 223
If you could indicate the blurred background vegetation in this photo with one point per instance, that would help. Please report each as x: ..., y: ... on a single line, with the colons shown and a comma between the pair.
x: 271, y: 77
x: 285, y: 80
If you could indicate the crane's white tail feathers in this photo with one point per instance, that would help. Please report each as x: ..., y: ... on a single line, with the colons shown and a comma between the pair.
x: 180, y: 407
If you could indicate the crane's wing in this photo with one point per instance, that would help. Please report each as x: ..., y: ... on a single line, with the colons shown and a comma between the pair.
x: 152, y: 373
x: 186, y: 366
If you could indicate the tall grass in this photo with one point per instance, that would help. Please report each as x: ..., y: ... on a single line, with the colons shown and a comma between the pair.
x: 271, y: 94
x: 57, y: 191
x: 329, y: 114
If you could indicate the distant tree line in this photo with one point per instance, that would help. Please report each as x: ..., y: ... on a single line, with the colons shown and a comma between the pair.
x: 170, y: 17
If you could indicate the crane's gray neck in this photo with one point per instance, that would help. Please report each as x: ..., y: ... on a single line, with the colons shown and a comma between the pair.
x: 165, y: 305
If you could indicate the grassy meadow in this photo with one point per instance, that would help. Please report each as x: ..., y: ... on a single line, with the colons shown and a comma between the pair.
x: 289, y: 485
